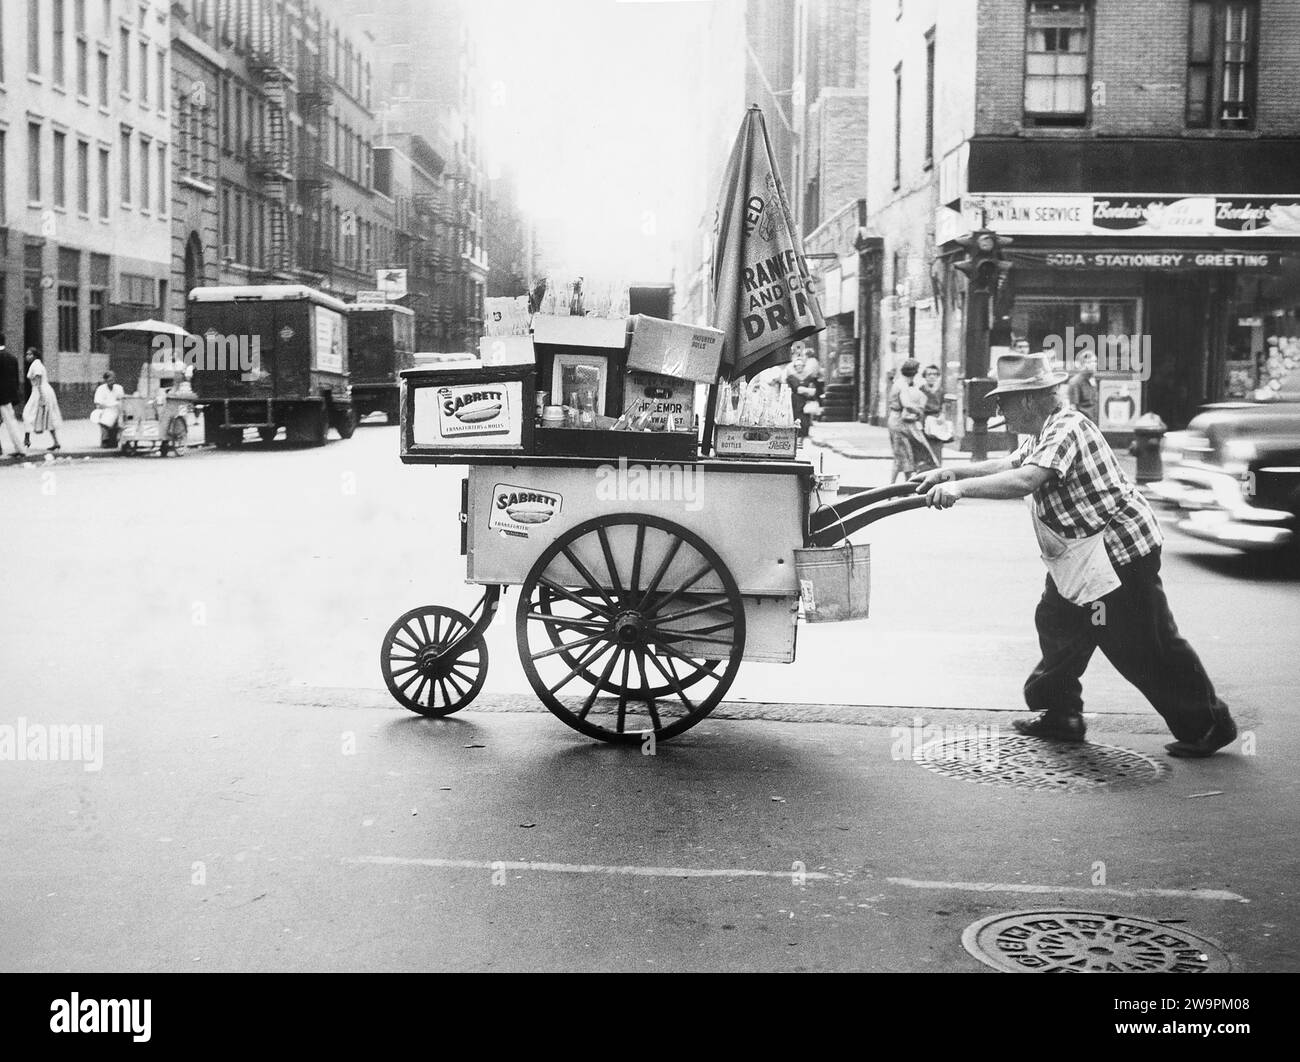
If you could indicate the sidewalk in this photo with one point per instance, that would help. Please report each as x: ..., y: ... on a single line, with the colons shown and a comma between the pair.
x: 870, y: 442
x: 79, y: 439
x: 864, y: 442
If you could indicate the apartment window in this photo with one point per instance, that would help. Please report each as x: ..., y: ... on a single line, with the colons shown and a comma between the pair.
x: 56, y: 67
x: 225, y: 219
x: 146, y: 162
x: 33, y: 162
x: 4, y: 175
x: 83, y: 67
x: 898, y: 125
x: 162, y: 80
x: 144, y: 73
x: 124, y: 49
x: 239, y: 121
x: 69, y: 333
x: 33, y: 36
x: 239, y: 227
x: 104, y: 169
x: 401, y: 79
x: 1221, y: 79
x: 103, y: 79
x: 83, y: 177
x: 929, y: 99
x: 60, y: 169
x: 224, y: 117
x: 1057, y: 55
x: 126, y: 167
x: 164, y: 179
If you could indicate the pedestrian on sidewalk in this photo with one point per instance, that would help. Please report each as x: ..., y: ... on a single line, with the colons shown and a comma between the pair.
x: 10, y: 393
x: 1101, y: 544
x: 1082, y: 389
x: 108, y: 410
x: 937, y: 428
x: 42, y: 411
x: 912, y: 452
x: 804, y: 378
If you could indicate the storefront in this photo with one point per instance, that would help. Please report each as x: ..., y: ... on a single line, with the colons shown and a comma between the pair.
x: 1183, y: 300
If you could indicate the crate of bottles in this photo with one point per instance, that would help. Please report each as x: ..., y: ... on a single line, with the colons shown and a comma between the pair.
x: 756, y: 443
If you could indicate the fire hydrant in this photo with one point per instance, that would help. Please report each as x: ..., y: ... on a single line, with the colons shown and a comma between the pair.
x: 1148, y: 434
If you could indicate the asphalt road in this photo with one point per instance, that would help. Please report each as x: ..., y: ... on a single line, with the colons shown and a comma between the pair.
x: 261, y: 804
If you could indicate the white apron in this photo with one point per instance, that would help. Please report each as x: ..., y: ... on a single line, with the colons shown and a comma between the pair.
x: 1079, y: 567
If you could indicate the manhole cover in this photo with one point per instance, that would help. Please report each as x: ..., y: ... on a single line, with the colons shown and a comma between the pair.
x: 1031, y: 763
x: 1089, y: 942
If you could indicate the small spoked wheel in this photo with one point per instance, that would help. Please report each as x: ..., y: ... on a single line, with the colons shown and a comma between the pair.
x: 630, y: 624
x: 427, y: 667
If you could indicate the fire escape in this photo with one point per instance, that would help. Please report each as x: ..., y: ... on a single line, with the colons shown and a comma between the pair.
x: 455, y: 214
x: 271, y: 157
x: 315, y: 93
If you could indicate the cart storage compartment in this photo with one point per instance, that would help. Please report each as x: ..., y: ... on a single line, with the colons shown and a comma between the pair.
x: 461, y: 410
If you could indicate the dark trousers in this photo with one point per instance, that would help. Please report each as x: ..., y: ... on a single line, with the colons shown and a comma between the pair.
x: 1133, y: 626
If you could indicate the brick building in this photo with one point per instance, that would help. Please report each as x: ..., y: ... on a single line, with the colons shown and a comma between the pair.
x: 805, y: 64
x: 1145, y: 158
x: 274, y: 131
x: 85, y: 141
x: 427, y: 82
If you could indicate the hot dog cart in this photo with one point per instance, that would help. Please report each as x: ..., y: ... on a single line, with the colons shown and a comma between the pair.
x: 645, y: 577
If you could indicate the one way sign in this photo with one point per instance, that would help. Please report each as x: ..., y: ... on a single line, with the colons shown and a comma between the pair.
x: 392, y: 282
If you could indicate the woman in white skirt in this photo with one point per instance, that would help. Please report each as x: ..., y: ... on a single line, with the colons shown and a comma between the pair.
x: 41, y: 414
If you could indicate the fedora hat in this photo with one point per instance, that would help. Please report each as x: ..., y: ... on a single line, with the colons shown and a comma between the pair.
x: 1026, y: 372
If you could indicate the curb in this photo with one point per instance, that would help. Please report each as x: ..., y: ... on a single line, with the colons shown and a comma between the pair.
x: 45, y: 457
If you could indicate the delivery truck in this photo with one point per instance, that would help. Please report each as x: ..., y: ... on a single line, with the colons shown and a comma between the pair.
x: 270, y: 357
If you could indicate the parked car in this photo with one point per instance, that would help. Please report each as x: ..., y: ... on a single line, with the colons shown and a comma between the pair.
x: 1234, y: 474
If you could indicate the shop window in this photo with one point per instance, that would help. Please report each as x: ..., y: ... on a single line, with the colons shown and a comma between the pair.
x: 96, y: 320
x: 1221, y: 52
x: 1058, y: 44
x: 137, y: 290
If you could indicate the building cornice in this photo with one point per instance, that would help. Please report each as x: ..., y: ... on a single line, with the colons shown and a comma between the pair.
x: 185, y: 39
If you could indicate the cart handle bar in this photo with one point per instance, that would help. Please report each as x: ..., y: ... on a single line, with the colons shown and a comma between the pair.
x: 831, y: 524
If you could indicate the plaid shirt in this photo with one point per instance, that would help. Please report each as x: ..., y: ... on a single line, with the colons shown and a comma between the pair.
x: 1089, y: 492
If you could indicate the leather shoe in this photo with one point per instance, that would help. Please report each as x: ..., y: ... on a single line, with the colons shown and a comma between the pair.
x: 1223, y: 732
x: 1054, y: 726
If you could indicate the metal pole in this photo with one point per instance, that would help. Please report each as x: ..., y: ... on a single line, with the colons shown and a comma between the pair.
x: 977, y: 362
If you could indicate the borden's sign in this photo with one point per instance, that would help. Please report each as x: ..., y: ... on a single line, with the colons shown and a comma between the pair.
x: 473, y: 409
x: 516, y: 510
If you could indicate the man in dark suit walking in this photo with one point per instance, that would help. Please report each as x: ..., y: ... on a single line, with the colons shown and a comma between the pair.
x: 10, y: 393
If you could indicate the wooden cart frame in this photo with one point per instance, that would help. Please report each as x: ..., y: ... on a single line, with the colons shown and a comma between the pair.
x: 634, y: 613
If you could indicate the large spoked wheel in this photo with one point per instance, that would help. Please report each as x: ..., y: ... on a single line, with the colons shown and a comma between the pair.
x: 423, y: 667
x: 630, y: 624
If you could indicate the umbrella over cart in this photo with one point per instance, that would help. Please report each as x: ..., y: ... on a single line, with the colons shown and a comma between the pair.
x: 762, y: 296
x: 157, y: 415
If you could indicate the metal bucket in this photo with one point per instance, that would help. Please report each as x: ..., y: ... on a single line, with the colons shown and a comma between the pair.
x: 835, y: 583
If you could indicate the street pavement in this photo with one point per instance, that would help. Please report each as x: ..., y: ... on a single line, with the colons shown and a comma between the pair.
x: 262, y: 804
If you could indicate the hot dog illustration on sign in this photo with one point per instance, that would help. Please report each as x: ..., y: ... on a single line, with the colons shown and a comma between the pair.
x: 516, y: 509
x: 473, y: 409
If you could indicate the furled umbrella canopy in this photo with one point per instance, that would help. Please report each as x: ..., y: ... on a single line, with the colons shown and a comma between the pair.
x: 762, y: 298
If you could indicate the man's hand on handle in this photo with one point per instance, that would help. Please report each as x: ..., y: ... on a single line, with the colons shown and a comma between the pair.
x: 938, y: 486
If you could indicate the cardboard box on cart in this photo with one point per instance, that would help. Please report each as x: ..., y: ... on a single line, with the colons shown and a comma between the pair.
x: 670, y: 348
